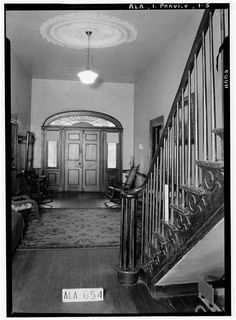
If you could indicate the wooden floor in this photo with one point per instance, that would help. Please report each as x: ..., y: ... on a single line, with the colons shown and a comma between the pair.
x: 38, y: 277
x: 78, y: 200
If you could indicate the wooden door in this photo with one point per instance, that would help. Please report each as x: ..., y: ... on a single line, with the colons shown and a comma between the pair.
x: 73, y: 160
x: 82, y: 160
x: 91, y: 160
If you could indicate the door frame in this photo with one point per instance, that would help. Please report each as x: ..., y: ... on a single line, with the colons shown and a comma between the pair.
x: 105, y: 174
x: 156, y: 122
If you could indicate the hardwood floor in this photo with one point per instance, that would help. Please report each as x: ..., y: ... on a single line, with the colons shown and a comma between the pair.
x: 38, y: 277
x: 78, y: 200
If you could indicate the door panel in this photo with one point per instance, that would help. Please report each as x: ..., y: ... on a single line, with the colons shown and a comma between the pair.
x: 73, y: 161
x: 90, y: 177
x: 73, y: 151
x: 82, y: 160
x: 91, y: 144
x: 73, y: 177
x: 90, y: 152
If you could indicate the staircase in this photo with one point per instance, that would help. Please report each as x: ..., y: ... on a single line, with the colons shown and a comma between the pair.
x: 182, y: 197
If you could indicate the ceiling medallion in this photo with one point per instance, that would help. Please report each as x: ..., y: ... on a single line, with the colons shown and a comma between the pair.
x: 70, y: 30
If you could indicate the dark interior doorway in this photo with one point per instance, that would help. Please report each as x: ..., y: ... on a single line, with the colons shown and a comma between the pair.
x: 156, y: 128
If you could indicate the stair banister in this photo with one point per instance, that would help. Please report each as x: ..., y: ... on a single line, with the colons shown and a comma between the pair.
x: 174, y: 169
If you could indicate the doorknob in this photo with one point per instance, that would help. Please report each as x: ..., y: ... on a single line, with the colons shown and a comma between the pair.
x: 79, y: 163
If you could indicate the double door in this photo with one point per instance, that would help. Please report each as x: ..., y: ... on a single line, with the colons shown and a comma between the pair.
x: 82, y: 160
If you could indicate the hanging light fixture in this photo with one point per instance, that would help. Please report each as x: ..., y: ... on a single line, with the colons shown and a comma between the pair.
x: 87, y: 76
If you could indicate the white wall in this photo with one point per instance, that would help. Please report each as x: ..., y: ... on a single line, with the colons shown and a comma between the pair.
x: 155, y: 89
x: 20, y: 94
x: 53, y: 96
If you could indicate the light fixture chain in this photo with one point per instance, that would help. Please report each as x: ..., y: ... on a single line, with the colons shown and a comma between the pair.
x: 88, y: 76
x: 88, y: 52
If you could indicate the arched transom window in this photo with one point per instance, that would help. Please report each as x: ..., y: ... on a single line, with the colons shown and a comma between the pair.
x: 77, y: 120
x: 82, y: 119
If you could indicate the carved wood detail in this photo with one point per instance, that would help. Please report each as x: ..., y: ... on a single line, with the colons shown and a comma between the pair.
x: 198, y: 211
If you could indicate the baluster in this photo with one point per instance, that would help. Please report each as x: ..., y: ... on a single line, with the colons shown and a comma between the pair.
x: 156, y: 191
x: 189, y: 129
x: 168, y: 156
x: 146, y: 218
x: 196, y: 142
x: 212, y: 86
x: 177, y: 154
x: 148, y: 213
x: 160, y: 191
x: 122, y: 229
x: 132, y: 233
x: 166, y: 194
x: 172, y: 167
x: 183, y: 146
x: 204, y: 83
x: 153, y: 198
x: 168, y: 167
x: 150, y: 207
x: 166, y: 202
x: 164, y: 178
x: 222, y: 37
x: 143, y: 227
x: 126, y: 226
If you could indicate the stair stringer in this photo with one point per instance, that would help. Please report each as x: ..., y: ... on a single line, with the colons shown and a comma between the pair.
x: 204, y: 208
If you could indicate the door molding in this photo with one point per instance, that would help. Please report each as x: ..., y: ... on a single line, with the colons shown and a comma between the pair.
x: 73, y: 120
x: 156, y: 122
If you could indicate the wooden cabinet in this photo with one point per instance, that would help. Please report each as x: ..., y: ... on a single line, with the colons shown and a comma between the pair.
x: 22, y: 155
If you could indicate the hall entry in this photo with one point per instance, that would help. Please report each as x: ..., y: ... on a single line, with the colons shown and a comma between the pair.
x: 81, y: 151
x: 82, y: 160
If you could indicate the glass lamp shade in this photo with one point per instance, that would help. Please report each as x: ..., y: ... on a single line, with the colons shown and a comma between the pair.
x: 87, y: 76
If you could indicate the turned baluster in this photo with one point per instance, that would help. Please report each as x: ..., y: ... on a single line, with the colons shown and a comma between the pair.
x: 212, y: 91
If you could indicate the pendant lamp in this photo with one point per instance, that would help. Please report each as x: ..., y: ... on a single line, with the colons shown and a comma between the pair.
x: 87, y: 76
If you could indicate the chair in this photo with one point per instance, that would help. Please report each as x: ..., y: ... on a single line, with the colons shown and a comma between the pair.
x: 24, y: 203
x: 114, y: 191
x: 37, y: 187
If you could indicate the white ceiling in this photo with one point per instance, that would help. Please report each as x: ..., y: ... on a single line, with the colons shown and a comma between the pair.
x: 122, y: 63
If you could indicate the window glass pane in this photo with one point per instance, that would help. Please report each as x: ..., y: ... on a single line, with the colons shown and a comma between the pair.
x: 77, y: 120
x: 113, y: 137
x: 111, y: 155
x: 52, y: 154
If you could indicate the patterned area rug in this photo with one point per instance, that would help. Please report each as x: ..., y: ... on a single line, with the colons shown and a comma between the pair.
x: 73, y: 228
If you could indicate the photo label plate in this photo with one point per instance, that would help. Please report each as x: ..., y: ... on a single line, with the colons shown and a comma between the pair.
x: 82, y: 295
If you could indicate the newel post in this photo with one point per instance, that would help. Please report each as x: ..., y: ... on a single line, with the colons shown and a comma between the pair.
x: 128, y: 273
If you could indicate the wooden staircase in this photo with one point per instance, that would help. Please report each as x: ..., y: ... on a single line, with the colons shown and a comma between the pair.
x: 182, y: 197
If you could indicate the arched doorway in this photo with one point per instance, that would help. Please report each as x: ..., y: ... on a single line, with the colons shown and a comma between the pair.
x: 81, y: 150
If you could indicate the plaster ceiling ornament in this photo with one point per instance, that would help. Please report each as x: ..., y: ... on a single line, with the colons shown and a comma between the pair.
x: 70, y: 30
